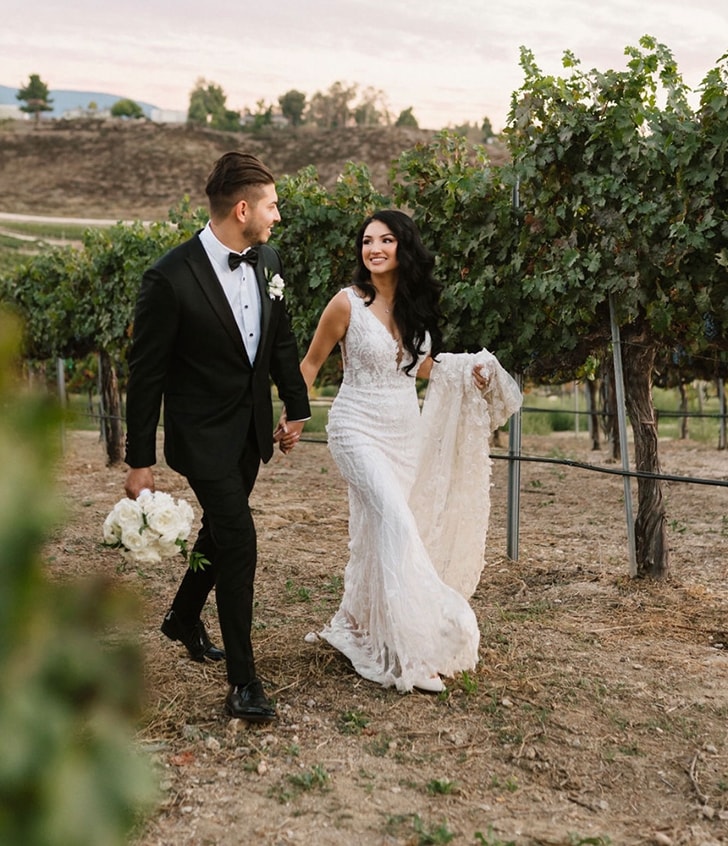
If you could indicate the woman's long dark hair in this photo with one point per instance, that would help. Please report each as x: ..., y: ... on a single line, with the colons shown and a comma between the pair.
x: 417, y: 298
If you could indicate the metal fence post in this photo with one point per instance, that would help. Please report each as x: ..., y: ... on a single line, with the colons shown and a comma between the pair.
x: 621, y: 417
x: 514, y: 478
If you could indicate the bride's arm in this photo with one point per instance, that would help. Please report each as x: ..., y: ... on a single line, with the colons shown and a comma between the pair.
x: 425, y: 371
x: 330, y: 330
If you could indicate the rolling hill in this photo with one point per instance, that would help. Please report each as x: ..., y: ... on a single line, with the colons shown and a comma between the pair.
x: 138, y: 169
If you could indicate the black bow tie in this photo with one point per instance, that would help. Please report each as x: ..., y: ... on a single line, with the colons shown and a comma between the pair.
x: 236, y: 259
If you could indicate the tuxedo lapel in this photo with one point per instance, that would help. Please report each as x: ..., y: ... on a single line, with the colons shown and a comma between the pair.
x: 212, y: 289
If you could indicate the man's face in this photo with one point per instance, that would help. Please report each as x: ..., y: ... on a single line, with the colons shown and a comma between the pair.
x: 261, y: 214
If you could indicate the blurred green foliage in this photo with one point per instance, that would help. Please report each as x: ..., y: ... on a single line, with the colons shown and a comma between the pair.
x: 70, y: 676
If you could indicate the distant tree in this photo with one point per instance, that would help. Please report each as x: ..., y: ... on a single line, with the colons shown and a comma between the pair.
x: 332, y: 109
x: 262, y: 116
x: 371, y: 109
x: 468, y: 130
x: 406, y: 118
x: 35, y: 96
x: 208, y: 107
x: 487, y: 129
x: 293, y: 105
x: 127, y: 108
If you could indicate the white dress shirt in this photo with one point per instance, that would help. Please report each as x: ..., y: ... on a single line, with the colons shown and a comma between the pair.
x: 242, y: 292
x: 240, y: 287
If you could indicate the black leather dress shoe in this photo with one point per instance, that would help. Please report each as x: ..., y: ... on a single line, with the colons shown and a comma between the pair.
x: 249, y: 702
x: 195, y: 639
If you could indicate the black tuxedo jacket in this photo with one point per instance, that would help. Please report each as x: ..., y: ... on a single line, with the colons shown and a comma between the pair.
x: 188, y: 356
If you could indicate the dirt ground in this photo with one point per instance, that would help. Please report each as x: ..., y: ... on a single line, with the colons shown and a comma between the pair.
x: 598, y: 713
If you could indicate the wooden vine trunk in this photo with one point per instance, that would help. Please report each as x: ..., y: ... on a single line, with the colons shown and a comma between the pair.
x: 638, y: 357
x: 111, y: 404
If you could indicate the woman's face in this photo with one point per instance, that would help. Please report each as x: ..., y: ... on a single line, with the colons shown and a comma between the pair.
x: 379, y: 249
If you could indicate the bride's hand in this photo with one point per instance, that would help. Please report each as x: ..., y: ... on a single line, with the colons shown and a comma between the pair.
x: 481, y: 380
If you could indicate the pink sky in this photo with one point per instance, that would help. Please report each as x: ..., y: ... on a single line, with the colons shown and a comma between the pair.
x: 451, y: 62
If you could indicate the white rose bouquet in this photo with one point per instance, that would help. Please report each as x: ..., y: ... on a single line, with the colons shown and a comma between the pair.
x: 150, y: 528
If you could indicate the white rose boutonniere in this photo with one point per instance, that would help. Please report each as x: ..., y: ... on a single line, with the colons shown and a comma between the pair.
x: 275, y: 284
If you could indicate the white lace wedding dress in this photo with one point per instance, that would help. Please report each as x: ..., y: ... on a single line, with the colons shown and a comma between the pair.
x: 398, y: 623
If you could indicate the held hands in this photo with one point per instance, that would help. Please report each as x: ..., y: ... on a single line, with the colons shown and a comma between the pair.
x: 287, y: 434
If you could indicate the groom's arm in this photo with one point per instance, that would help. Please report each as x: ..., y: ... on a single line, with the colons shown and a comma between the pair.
x: 155, y: 328
x: 286, y: 372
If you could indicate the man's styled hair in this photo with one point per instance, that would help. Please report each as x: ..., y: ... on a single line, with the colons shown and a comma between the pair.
x: 234, y: 177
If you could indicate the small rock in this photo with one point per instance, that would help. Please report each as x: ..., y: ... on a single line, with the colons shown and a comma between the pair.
x: 661, y: 839
x: 233, y: 727
x: 191, y: 733
x: 262, y: 768
x: 212, y: 744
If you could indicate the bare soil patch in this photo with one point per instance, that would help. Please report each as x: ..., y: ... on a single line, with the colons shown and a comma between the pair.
x: 598, y: 713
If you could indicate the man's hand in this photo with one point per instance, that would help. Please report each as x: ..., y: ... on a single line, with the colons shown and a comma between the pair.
x: 287, y: 434
x: 137, y: 479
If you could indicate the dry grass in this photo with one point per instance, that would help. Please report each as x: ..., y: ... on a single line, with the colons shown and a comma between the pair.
x: 598, y: 712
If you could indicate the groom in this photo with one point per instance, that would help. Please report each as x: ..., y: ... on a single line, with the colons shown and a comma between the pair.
x: 210, y: 332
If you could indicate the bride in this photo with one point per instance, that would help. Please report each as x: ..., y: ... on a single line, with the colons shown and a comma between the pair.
x: 404, y: 619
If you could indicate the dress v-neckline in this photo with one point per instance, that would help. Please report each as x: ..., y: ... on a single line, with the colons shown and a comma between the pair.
x: 381, y: 323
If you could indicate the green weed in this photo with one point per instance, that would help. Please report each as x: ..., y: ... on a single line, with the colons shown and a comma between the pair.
x: 380, y: 746
x: 510, y: 784
x: 467, y: 683
x: 678, y: 527
x: 432, y: 837
x: 352, y: 722
x: 490, y: 839
x: 297, y: 593
x: 316, y: 778
x: 441, y: 787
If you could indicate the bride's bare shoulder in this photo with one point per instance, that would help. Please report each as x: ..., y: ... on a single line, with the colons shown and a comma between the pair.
x: 339, y: 307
